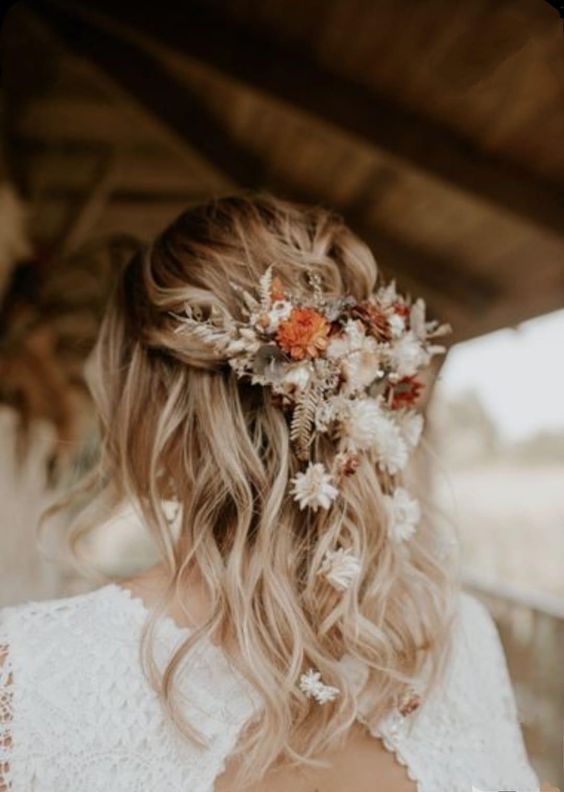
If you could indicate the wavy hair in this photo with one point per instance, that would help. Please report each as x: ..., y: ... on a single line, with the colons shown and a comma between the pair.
x: 177, y: 422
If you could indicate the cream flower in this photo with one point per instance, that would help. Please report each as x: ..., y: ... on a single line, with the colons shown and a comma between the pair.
x: 417, y: 319
x: 411, y: 427
x: 280, y: 310
x: 360, y: 428
x: 314, y: 488
x: 408, y: 355
x: 340, y: 567
x: 358, y: 353
x: 312, y: 686
x: 404, y: 513
x: 367, y: 426
x: 298, y: 376
x: 361, y: 368
x: 350, y: 340
x: 397, y: 325
x: 391, y: 448
x: 329, y: 410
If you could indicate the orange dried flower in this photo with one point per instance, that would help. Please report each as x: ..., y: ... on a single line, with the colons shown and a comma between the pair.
x: 277, y: 289
x: 303, y: 334
x: 401, y: 309
x: 375, y: 320
x: 404, y: 393
x: 409, y: 703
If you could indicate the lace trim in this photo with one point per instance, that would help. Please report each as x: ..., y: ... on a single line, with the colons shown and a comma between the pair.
x: 6, y: 698
x: 144, y: 611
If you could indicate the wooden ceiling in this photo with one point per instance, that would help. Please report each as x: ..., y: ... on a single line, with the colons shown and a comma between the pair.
x: 435, y: 128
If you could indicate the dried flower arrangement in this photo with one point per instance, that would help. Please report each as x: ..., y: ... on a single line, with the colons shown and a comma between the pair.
x: 343, y: 368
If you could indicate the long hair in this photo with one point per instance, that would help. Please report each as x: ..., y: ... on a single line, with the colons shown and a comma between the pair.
x: 176, y: 422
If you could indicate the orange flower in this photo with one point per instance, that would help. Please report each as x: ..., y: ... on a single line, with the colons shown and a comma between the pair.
x: 277, y: 290
x: 303, y: 334
x: 404, y: 393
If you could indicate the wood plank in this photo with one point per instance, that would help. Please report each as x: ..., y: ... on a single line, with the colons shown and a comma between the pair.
x: 290, y: 75
x: 171, y: 101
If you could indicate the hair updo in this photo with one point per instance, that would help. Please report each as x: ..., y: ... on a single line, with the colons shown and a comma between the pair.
x: 176, y: 422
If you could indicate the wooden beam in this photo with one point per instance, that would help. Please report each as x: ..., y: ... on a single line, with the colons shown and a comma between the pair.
x: 91, y: 207
x: 446, y: 287
x: 292, y: 76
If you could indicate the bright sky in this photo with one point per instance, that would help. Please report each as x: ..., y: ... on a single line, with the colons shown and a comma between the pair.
x: 518, y: 374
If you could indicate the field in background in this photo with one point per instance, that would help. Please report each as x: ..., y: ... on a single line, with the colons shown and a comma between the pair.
x: 510, y: 520
x: 505, y: 498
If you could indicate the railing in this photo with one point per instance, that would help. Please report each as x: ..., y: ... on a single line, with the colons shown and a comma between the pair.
x: 531, y: 627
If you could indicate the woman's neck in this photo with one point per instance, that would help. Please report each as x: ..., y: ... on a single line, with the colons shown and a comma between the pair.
x: 188, y: 606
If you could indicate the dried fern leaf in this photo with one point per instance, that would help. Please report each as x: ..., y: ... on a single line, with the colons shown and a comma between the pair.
x: 251, y: 303
x: 303, y: 419
x: 265, y: 289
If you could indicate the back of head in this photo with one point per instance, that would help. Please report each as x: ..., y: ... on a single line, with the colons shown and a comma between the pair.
x: 295, y: 588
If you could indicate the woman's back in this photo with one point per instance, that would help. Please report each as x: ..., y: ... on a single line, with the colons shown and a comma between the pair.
x: 79, y: 715
x: 253, y: 369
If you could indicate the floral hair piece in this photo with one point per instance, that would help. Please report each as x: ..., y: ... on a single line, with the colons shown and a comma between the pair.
x: 342, y: 368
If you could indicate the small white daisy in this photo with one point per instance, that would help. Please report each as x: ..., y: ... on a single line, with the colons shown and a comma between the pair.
x: 340, y: 567
x: 391, y: 449
x: 361, y: 425
x: 312, y: 686
x: 404, y: 513
x: 408, y: 355
x: 314, y: 488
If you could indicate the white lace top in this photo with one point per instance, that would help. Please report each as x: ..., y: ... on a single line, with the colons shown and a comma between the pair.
x: 77, y: 715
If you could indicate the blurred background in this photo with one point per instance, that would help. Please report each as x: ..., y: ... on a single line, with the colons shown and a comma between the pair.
x: 435, y: 128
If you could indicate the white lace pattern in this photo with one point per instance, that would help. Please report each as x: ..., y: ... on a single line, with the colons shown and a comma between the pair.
x: 77, y: 715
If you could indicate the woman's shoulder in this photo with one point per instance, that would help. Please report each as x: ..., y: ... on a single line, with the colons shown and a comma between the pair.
x: 473, y: 617
x: 72, y: 676
x: 478, y: 659
x: 74, y: 614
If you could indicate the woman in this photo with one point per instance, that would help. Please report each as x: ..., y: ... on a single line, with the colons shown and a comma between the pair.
x: 257, y: 391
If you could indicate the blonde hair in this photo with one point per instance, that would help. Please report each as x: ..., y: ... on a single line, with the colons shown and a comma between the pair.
x: 177, y: 422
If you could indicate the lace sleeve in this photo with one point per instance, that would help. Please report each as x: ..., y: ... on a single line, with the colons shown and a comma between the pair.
x: 6, y: 696
x: 499, y: 710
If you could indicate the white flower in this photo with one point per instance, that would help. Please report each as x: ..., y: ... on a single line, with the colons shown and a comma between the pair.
x: 331, y: 409
x: 247, y: 342
x: 280, y: 310
x: 314, y: 488
x: 326, y: 693
x: 313, y: 687
x: 411, y: 427
x: 417, y: 319
x: 362, y: 367
x: 298, y: 376
x: 397, y: 325
x: 407, y: 356
x: 350, y: 340
x: 404, y: 513
x: 361, y: 425
x: 367, y: 426
x: 387, y: 295
x: 391, y: 448
x: 340, y: 567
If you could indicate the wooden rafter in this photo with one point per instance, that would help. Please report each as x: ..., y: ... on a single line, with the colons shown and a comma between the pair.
x: 446, y: 285
x: 294, y: 77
